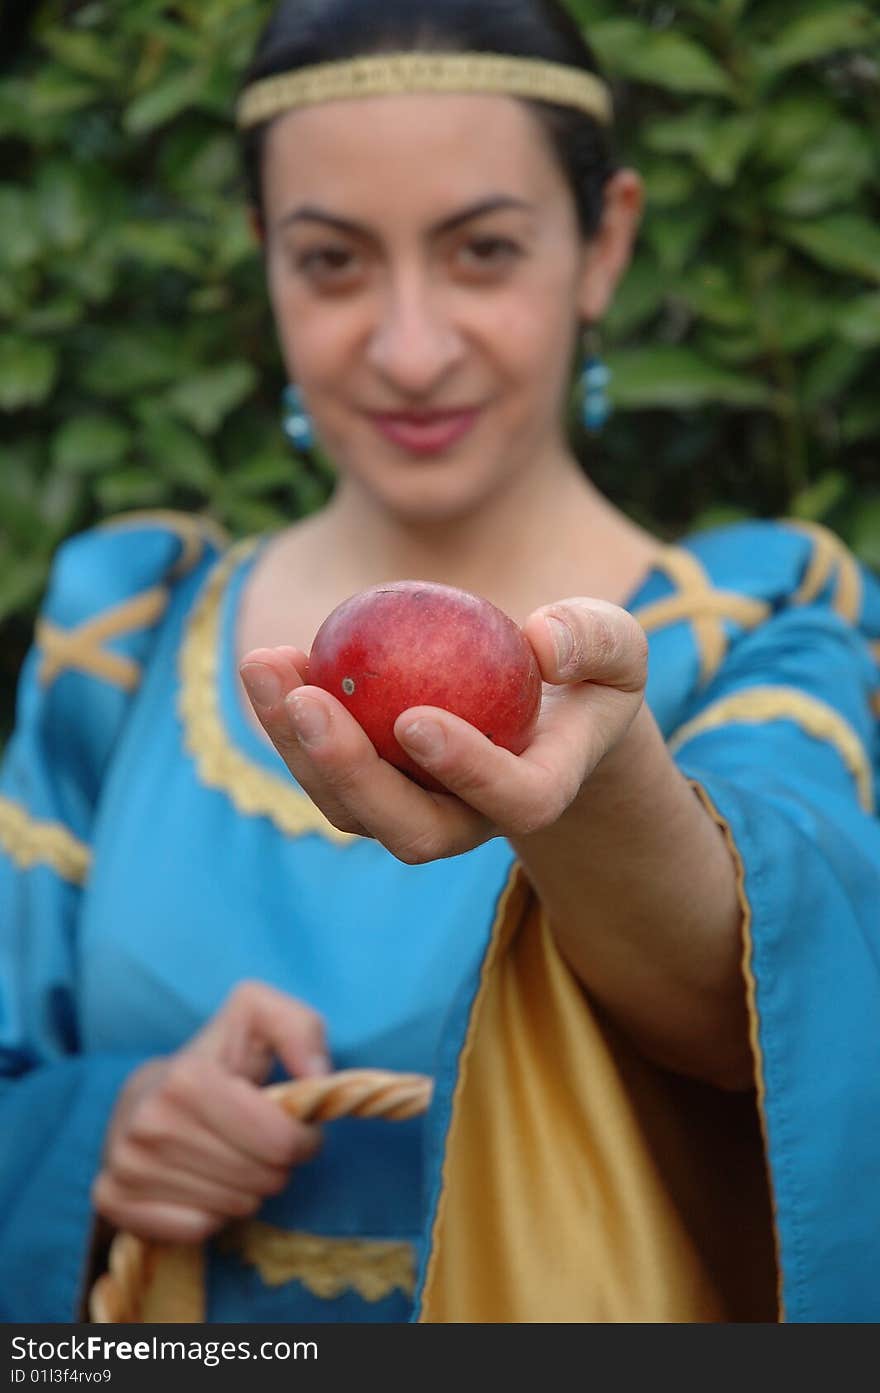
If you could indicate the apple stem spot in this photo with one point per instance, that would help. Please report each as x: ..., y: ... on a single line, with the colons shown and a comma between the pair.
x: 348, y: 685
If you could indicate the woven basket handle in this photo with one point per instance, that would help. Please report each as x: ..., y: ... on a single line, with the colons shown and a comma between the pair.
x: 121, y: 1294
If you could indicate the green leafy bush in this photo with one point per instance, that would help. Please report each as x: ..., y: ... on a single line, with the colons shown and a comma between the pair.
x: 138, y: 360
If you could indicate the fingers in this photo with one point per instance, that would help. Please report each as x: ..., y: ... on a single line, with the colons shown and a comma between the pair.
x: 520, y: 794
x: 591, y: 652
x: 329, y: 755
x: 270, y: 677
x: 154, y: 1219
x: 193, y: 1141
x: 258, y: 1023
x: 206, y: 1143
x: 587, y: 640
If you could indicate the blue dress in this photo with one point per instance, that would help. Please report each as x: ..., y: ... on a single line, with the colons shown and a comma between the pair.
x: 154, y: 852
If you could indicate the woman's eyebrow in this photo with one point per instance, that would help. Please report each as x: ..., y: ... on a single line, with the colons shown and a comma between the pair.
x: 310, y: 213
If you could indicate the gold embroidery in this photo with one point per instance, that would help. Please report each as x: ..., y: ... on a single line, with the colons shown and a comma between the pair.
x: 388, y: 74
x: 828, y: 551
x: 752, y: 1008
x: 80, y: 648
x: 756, y: 705
x: 32, y: 843
x: 253, y: 790
x: 191, y: 530
x: 327, y: 1266
x: 697, y: 600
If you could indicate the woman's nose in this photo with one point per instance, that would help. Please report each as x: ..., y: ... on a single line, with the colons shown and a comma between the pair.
x: 415, y: 343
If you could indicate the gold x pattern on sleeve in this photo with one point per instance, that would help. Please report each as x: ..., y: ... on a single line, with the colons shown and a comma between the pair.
x: 83, y: 648
x: 705, y: 607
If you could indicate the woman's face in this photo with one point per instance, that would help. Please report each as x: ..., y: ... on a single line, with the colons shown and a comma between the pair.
x: 427, y: 276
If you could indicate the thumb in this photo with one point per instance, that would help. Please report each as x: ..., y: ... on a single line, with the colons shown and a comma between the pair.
x: 589, y: 640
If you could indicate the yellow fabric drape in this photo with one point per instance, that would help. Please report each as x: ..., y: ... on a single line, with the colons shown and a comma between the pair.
x: 580, y: 1182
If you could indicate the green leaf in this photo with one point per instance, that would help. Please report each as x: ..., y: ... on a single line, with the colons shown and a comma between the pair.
x: 792, y: 316
x: 684, y: 134
x: 667, y: 376
x: 826, y: 30
x: 82, y: 52
x: 669, y: 60
x: 53, y: 91
x: 160, y: 244
x: 130, y: 488
x: 829, y: 373
x: 830, y: 172
x: 93, y: 277
x: 733, y: 347
x: 860, y: 419
x: 727, y: 146
x: 248, y: 516
x: 859, y: 321
x: 131, y: 360
x: 27, y: 372
x: 20, y: 242
x: 261, y: 474
x: 793, y: 124
x: 820, y: 498
x: 204, y: 399
x: 639, y: 296
x: 179, y: 456
x: 719, y: 515
x: 22, y: 580
x: 667, y: 182
x: 162, y: 102
x: 196, y: 161
x: 865, y: 535
x: 708, y: 290
x: 63, y: 204
x: 53, y: 316
x: 842, y: 241
x: 675, y: 235
x: 89, y: 443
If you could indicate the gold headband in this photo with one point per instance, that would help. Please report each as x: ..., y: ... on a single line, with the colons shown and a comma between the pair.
x: 391, y: 74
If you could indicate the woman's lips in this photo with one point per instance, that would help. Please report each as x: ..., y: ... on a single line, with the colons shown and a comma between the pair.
x: 425, y: 434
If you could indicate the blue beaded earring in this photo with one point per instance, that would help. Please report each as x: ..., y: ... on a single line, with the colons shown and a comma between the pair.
x: 295, y: 420
x: 594, y: 379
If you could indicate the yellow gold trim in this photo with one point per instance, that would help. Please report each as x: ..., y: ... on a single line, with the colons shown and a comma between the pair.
x: 697, y: 600
x: 828, y: 551
x: 80, y: 648
x: 752, y: 1009
x: 193, y: 530
x: 391, y: 74
x: 32, y: 843
x: 514, y: 895
x: 254, y: 791
x: 756, y: 705
x: 327, y: 1266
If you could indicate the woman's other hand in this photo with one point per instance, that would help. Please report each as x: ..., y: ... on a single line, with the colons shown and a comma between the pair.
x: 593, y: 660
x: 193, y: 1141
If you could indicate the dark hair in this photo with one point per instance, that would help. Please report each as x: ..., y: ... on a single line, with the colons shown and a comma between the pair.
x: 303, y: 32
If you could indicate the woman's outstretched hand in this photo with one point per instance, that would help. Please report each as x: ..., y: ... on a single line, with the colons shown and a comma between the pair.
x: 193, y: 1141
x: 593, y: 660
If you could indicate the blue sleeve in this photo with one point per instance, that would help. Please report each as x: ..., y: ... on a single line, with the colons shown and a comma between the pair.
x: 107, y: 592
x: 783, y: 749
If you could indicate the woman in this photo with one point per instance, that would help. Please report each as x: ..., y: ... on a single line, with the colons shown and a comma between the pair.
x: 623, y: 956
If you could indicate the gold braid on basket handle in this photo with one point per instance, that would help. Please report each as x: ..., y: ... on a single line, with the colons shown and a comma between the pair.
x: 118, y: 1295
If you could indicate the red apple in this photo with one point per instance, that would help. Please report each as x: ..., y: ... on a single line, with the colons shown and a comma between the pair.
x: 414, y: 643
